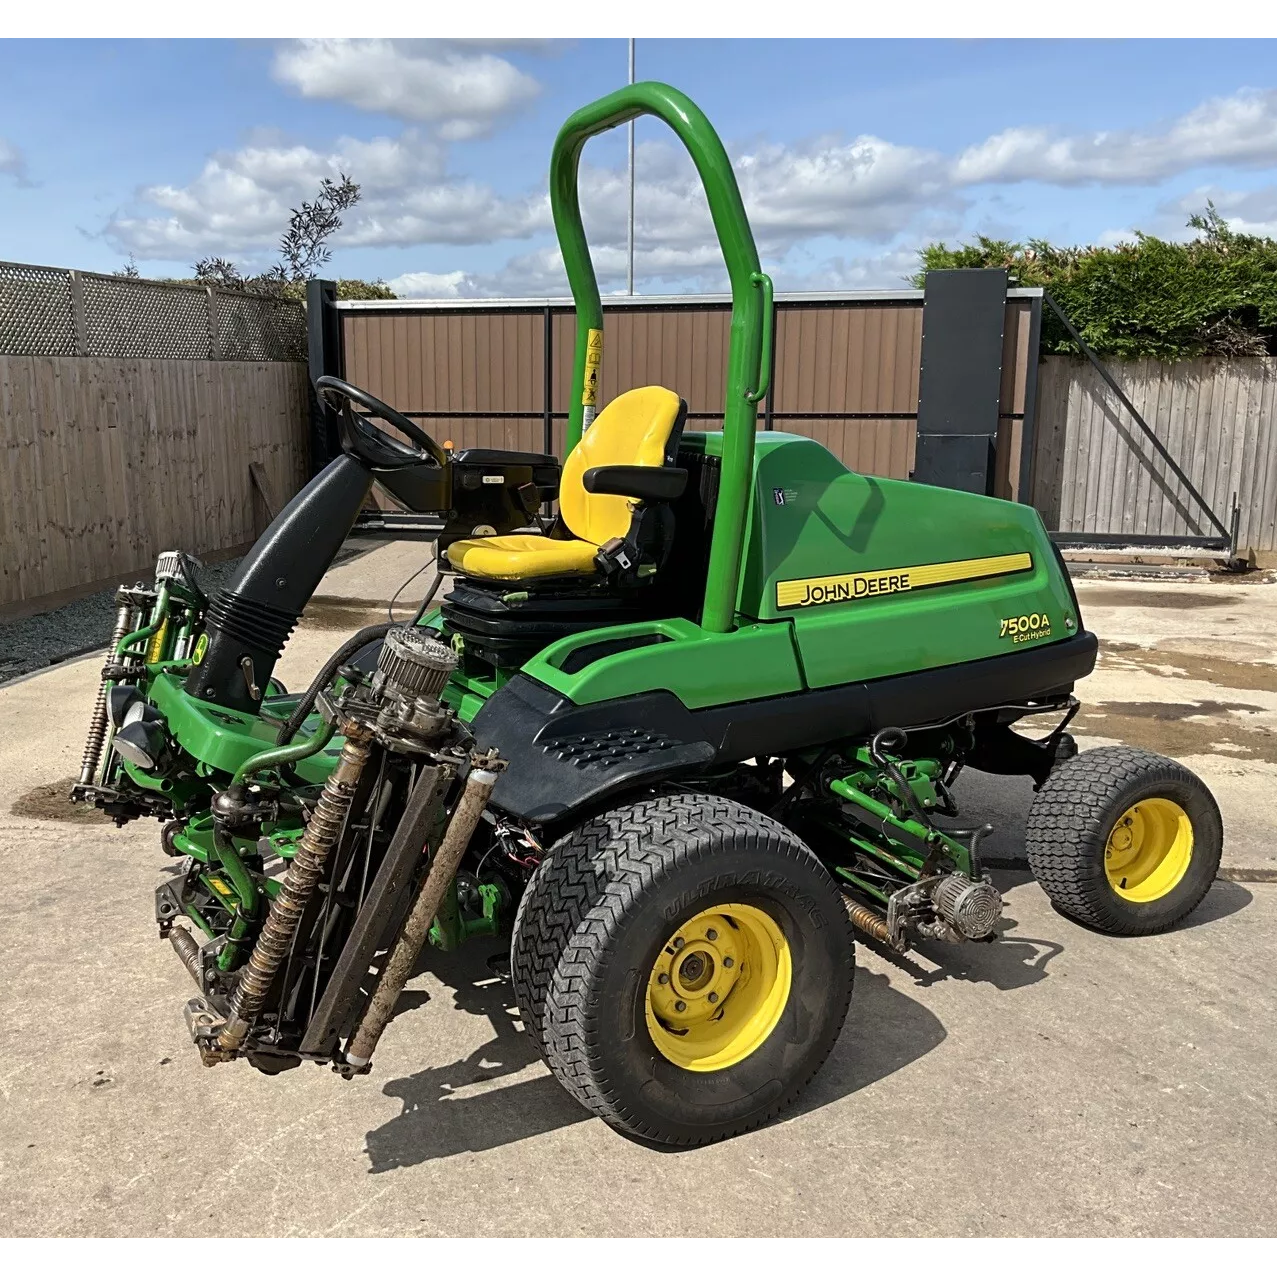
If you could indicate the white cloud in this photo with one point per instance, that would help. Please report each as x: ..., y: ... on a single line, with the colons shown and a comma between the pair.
x: 424, y: 283
x: 458, y: 88
x: 890, y: 269
x: 810, y: 202
x: 239, y: 204
x: 1240, y: 130
x: 13, y: 162
x: 1247, y: 212
x: 540, y: 273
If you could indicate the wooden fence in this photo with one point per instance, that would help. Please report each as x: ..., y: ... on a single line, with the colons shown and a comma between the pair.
x: 1094, y: 471
x: 104, y: 462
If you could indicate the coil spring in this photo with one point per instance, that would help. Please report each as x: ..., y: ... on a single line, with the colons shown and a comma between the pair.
x: 280, y: 929
x: 867, y: 921
x: 97, y: 724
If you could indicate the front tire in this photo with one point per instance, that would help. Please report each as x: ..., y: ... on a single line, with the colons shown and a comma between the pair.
x: 1124, y: 840
x: 685, y: 966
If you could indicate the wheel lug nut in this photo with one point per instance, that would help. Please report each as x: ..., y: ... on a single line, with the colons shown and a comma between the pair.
x: 729, y: 962
x: 713, y: 997
x: 662, y: 978
x: 679, y: 942
x: 711, y: 934
x: 680, y: 1006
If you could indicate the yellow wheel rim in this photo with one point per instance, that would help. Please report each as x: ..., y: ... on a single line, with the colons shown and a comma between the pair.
x: 718, y: 988
x: 1149, y: 850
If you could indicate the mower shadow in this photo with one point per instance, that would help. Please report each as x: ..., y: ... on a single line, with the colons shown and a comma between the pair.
x: 886, y: 1031
x: 440, y: 1119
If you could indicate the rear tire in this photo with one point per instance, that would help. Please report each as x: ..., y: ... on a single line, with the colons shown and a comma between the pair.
x: 667, y: 887
x: 1124, y: 840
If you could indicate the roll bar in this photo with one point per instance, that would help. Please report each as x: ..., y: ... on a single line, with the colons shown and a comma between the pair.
x: 749, y: 356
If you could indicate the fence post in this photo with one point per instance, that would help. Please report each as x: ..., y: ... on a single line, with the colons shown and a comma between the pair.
x: 323, y: 326
x: 214, y: 334
x: 1029, y: 421
x: 78, y: 315
x: 547, y: 373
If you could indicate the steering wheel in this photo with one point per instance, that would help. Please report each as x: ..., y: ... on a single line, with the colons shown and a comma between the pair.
x: 364, y: 441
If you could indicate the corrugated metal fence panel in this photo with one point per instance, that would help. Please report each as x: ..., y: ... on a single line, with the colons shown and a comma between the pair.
x: 106, y: 462
x: 437, y: 362
x: 852, y: 360
x: 857, y: 360
x: 684, y: 350
x: 1094, y: 471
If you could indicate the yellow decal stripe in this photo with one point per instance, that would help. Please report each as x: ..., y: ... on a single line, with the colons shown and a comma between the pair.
x: 862, y: 585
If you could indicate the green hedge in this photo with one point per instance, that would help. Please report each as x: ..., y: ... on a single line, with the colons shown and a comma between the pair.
x: 1154, y: 298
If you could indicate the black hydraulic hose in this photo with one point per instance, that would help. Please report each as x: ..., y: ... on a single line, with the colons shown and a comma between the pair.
x: 897, y: 736
x: 430, y: 593
x: 325, y: 676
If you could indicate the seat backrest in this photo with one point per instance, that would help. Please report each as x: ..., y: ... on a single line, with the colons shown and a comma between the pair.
x: 635, y: 429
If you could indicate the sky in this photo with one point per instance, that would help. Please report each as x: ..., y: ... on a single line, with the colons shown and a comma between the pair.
x: 851, y: 154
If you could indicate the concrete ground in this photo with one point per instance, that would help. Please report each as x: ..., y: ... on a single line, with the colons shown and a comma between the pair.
x: 1058, y: 1082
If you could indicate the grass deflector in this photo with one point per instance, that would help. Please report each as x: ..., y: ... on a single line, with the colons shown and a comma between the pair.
x: 675, y: 742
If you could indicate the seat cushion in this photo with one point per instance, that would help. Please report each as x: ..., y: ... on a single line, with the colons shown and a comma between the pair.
x: 521, y: 556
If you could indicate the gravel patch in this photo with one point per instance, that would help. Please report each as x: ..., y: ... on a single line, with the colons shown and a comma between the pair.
x: 33, y: 642
x: 47, y: 638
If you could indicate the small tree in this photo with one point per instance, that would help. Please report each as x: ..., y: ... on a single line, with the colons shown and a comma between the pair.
x: 219, y: 271
x: 303, y: 248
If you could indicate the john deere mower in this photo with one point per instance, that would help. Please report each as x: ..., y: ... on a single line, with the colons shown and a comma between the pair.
x: 675, y: 742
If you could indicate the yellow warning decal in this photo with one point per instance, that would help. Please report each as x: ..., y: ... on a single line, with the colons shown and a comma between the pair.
x: 863, y: 585
x: 155, y: 648
x: 219, y: 886
x: 593, y: 363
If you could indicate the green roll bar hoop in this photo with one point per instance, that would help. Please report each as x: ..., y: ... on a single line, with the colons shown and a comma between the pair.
x: 749, y: 355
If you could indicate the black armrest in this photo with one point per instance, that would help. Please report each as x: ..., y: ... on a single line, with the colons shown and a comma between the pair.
x: 643, y: 483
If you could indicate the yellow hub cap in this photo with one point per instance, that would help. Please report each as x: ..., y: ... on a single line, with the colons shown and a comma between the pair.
x: 1149, y: 850
x: 718, y: 988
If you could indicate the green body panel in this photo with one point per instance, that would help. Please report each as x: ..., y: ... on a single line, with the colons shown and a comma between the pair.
x: 811, y: 517
x: 701, y: 668
x: 466, y: 693
x: 832, y: 521
x: 223, y: 739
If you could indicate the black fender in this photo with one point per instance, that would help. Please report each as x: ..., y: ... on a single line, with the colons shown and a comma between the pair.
x: 566, y: 758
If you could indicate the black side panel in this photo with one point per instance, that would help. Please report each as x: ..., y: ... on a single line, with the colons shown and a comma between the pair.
x: 542, y: 461
x: 960, y: 382
x: 510, y: 633
x: 564, y: 756
x: 254, y: 615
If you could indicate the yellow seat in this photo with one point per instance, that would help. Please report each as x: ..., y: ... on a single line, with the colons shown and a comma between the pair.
x: 517, y: 557
x: 633, y: 430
